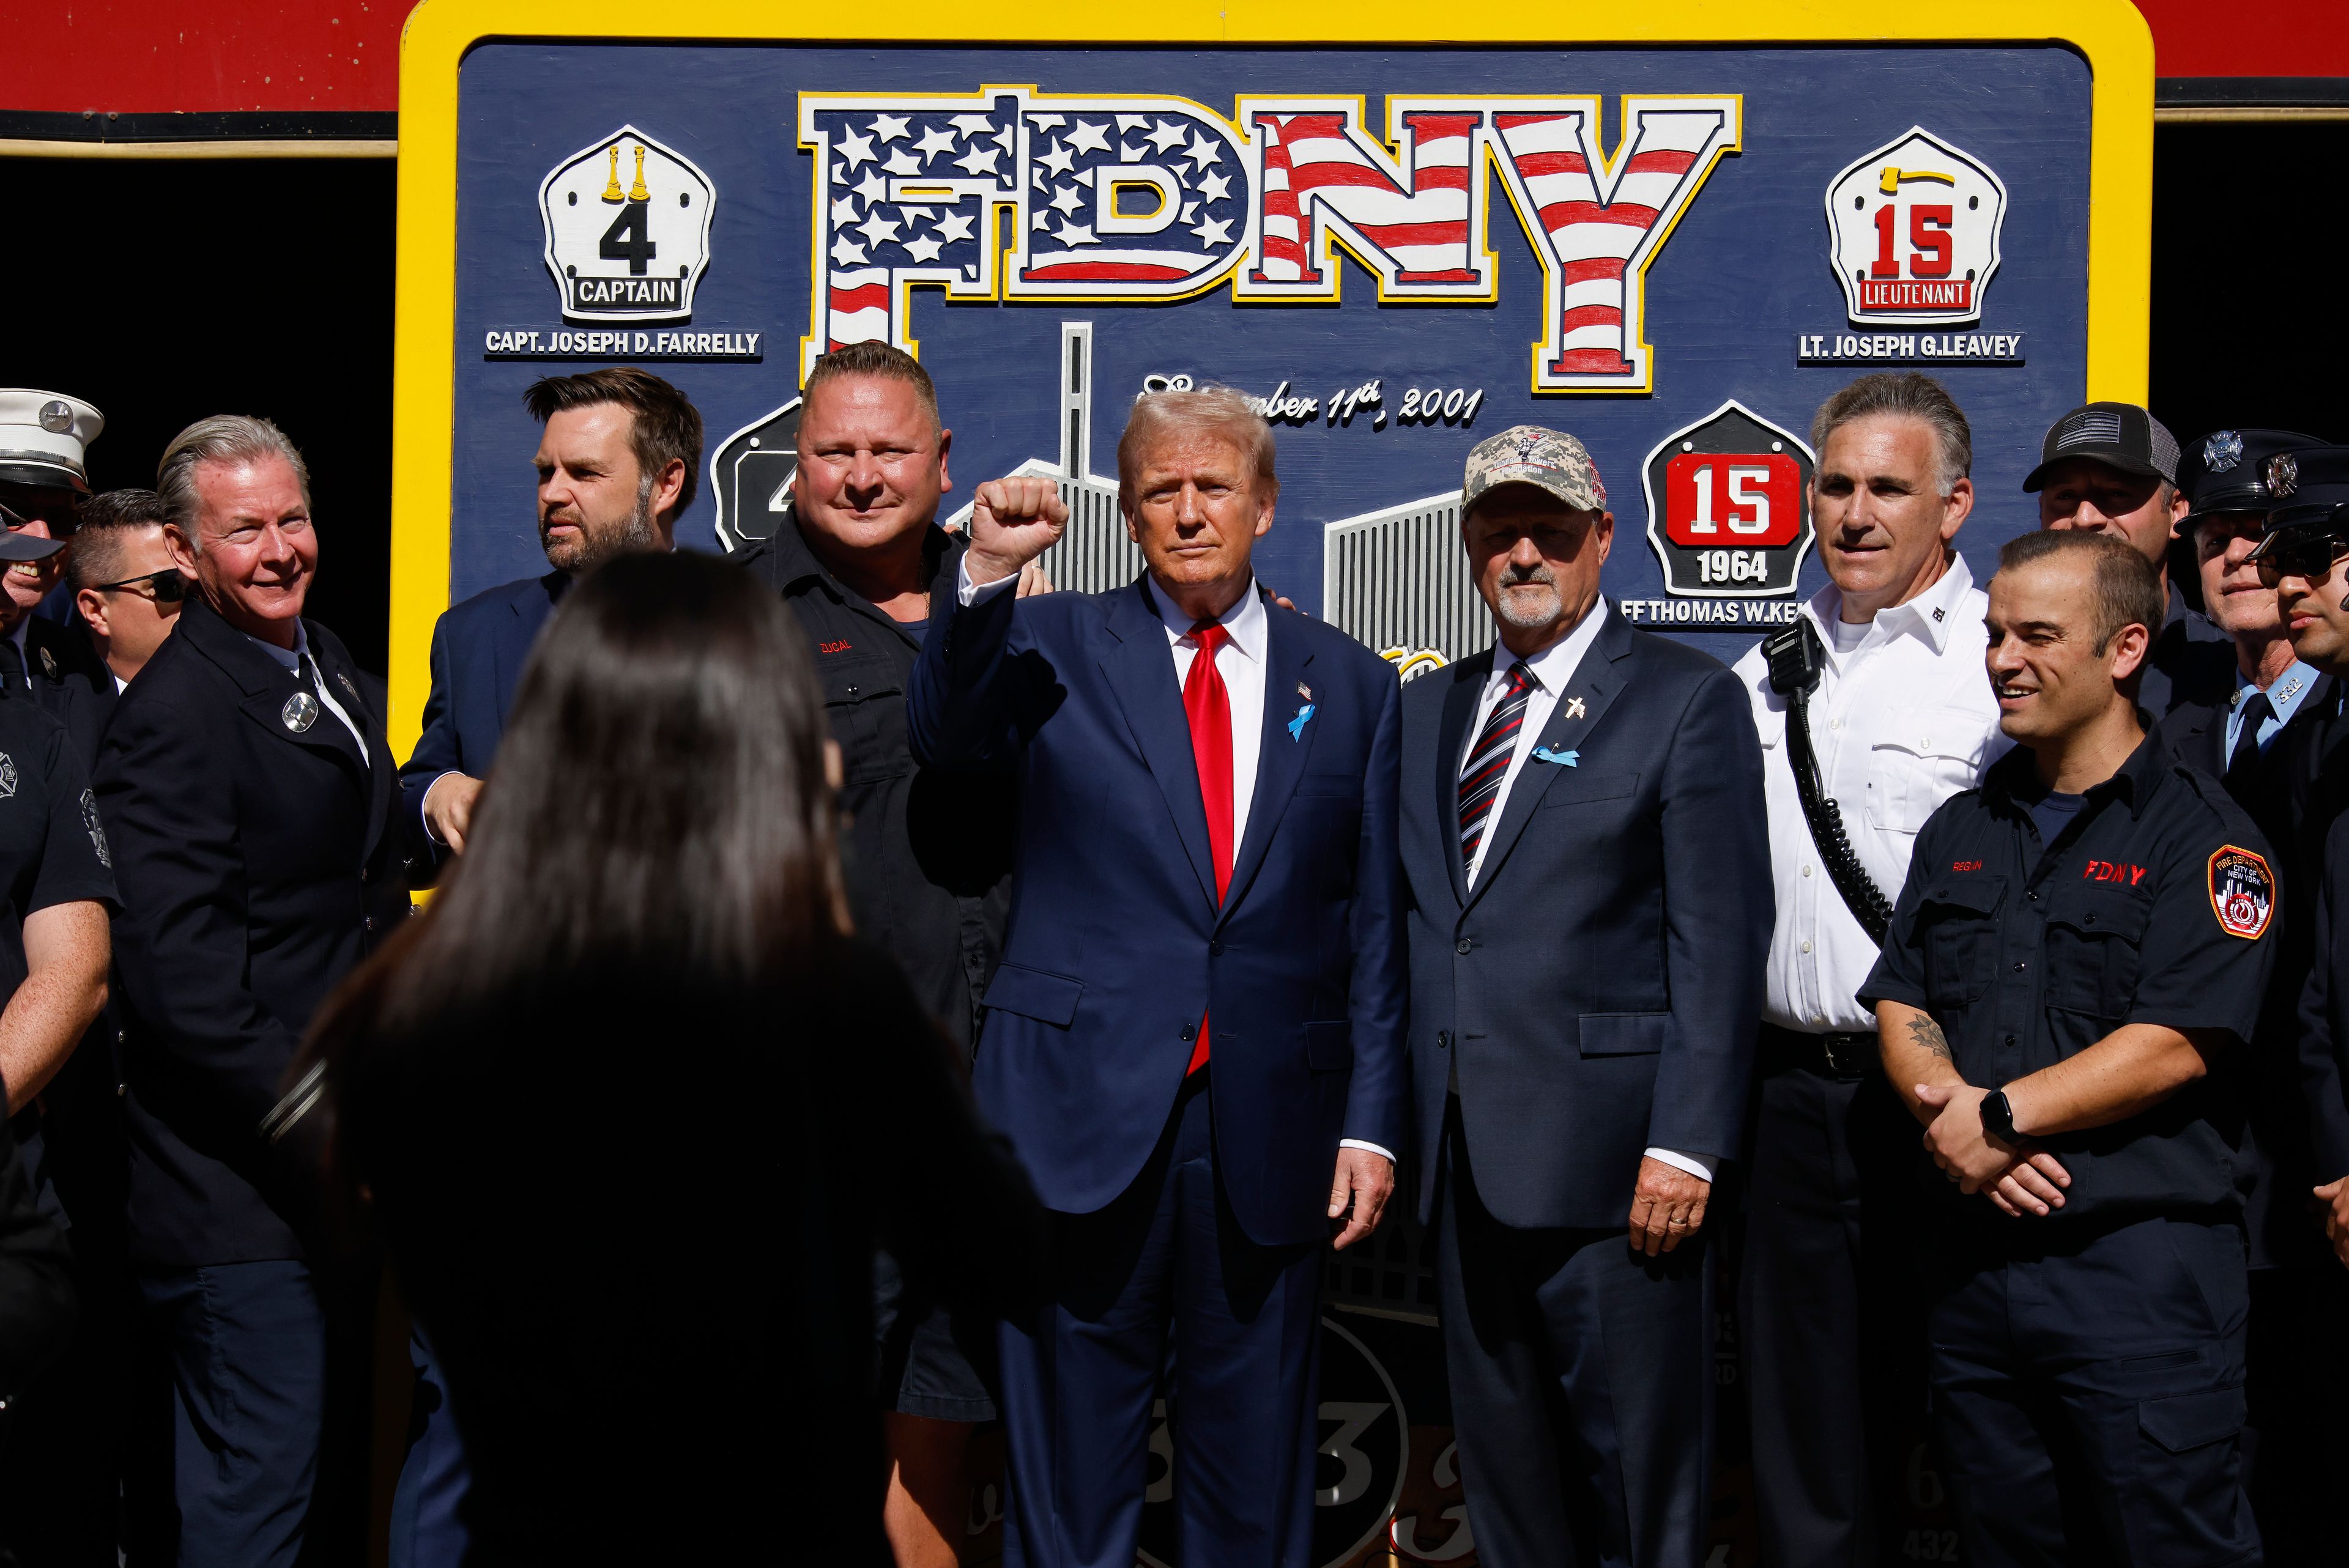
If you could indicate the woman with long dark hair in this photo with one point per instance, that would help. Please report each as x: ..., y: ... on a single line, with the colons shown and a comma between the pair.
x: 631, y: 1109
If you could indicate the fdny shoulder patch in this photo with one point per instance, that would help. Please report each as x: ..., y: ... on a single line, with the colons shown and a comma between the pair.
x: 2242, y: 891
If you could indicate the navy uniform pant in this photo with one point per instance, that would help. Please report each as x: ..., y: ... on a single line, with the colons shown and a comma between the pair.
x: 268, y: 1375
x: 1582, y: 1386
x: 1166, y: 1267
x: 2088, y: 1403
x: 1829, y: 1315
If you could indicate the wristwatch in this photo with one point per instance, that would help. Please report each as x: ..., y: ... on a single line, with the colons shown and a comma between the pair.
x: 1998, y: 1117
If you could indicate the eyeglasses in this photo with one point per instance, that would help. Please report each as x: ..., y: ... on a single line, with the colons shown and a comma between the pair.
x: 2308, y: 553
x: 164, y: 587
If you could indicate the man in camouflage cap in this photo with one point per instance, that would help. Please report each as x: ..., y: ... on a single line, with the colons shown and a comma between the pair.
x: 1583, y: 832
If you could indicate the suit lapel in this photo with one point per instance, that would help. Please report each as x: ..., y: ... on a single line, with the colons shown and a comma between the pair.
x: 1595, y: 683
x: 1468, y: 679
x: 1141, y: 671
x: 1280, y: 757
x: 381, y: 777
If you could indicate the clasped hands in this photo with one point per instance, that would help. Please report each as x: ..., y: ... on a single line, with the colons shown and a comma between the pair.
x: 2020, y: 1180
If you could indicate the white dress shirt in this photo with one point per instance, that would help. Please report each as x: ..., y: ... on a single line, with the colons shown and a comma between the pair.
x: 1241, y: 662
x: 1900, y: 722
x: 296, y: 662
x: 1553, y: 670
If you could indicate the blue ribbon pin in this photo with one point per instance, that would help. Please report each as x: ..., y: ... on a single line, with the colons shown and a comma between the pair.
x: 1564, y: 759
x: 1296, y: 726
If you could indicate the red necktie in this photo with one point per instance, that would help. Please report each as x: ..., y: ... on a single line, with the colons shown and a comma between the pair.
x: 1208, y: 707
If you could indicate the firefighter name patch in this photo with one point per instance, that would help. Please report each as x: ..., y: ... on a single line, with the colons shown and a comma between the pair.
x: 2242, y: 891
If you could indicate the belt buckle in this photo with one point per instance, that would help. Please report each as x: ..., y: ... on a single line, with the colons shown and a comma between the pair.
x: 1843, y: 1057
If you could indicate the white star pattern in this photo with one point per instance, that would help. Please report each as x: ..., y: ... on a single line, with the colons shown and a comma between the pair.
x: 975, y: 159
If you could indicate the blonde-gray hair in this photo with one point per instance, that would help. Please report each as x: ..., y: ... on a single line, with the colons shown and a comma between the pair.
x: 221, y: 438
x: 1221, y: 409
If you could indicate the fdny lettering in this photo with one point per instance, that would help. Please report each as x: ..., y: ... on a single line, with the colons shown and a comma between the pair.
x: 1965, y: 865
x: 1136, y: 198
x: 831, y: 647
x: 2106, y: 871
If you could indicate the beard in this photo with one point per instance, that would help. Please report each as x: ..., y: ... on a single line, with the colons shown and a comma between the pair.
x: 634, y: 534
x: 1526, y: 613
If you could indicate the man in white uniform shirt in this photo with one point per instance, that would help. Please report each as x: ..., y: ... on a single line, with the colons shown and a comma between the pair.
x: 1901, y: 716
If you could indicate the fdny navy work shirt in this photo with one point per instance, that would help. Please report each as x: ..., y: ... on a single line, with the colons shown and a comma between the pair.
x: 2154, y: 905
x: 52, y: 849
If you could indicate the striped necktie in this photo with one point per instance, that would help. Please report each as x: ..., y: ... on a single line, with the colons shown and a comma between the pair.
x: 1488, y: 759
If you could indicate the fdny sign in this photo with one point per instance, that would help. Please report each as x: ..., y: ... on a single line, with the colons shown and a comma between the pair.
x: 1915, y: 225
x: 628, y: 230
x: 1143, y: 198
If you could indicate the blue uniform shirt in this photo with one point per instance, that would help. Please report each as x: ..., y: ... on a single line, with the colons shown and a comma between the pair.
x: 2154, y: 905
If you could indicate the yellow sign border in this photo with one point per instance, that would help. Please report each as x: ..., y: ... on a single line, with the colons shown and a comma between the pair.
x: 2110, y: 34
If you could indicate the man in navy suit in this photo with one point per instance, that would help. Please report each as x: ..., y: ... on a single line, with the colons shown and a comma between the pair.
x: 1194, y: 1038
x: 616, y: 470
x: 1584, y: 838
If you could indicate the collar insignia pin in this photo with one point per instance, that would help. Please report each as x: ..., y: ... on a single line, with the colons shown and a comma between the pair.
x: 300, y: 712
x: 344, y: 681
x: 48, y: 664
x: 1574, y: 708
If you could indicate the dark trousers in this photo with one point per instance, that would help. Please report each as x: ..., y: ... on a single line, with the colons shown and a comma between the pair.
x: 2088, y: 1404
x: 1166, y: 1260
x: 1830, y: 1314
x: 1582, y: 1386
x: 425, y: 1531
x: 265, y: 1440
x: 2296, y: 1442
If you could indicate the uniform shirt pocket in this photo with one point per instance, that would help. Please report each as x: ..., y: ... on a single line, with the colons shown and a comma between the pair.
x: 1933, y: 754
x: 1957, y: 926
x: 2094, y: 936
x: 865, y: 698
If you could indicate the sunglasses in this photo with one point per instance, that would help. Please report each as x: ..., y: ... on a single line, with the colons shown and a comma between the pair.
x: 2307, y: 553
x: 164, y: 587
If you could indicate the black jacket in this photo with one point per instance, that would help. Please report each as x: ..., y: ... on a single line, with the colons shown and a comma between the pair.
x: 70, y: 683
x: 927, y: 854
x: 2276, y: 1215
x: 257, y: 866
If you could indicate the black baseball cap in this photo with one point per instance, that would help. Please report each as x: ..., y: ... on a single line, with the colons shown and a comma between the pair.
x: 16, y: 547
x: 2119, y: 435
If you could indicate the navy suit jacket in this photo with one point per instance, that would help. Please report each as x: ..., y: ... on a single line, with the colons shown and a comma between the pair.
x: 478, y: 650
x: 1600, y: 986
x: 1116, y: 945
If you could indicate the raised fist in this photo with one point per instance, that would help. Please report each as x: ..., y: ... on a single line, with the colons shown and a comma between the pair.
x: 1012, y: 521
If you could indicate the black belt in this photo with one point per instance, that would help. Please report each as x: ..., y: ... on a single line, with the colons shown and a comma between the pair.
x: 1845, y: 1058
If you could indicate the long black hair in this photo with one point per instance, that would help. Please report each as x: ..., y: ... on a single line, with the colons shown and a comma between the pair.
x: 658, y: 804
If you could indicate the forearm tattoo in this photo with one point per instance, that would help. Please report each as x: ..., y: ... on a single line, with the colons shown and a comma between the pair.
x: 1929, y: 1036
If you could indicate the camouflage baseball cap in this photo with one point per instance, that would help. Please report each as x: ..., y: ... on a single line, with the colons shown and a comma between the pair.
x: 1527, y: 454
